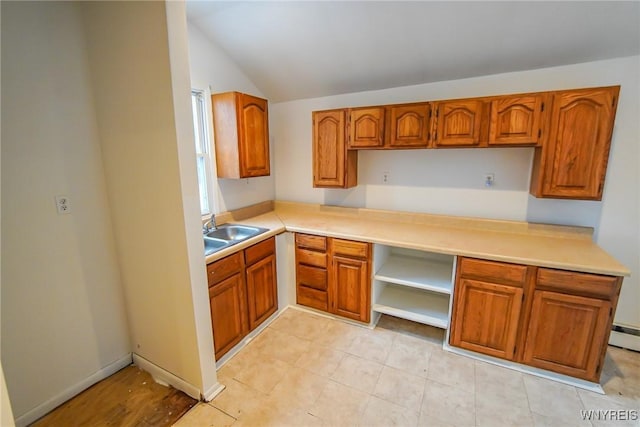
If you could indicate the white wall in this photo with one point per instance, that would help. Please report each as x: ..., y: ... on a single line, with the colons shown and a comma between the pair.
x: 63, y: 316
x: 138, y: 59
x: 212, y: 69
x: 451, y: 181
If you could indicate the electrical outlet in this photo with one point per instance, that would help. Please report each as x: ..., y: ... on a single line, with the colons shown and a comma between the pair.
x: 62, y: 205
x: 385, y: 177
x: 489, y: 179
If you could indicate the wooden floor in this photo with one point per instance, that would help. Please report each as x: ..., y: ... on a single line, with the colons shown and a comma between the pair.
x: 129, y: 397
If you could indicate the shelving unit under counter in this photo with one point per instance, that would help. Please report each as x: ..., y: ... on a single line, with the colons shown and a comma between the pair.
x: 413, y: 285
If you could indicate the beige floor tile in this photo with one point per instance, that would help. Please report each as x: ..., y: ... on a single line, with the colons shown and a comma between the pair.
x: 495, y: 410
x: 373, y: 345
x: 203, y: 415
x: 281, y: 346
x: 339, y: 335
x: 547, y: 421
x: 300, y: 324
x: 320, y: 360
x: 358, y: 373
x: 553, y: 399
x: 274, y: 411
x: 448, y: 404
x: 427, y: 333
x: 300, y: 387
x: 411, y: 355
x: 452, y: 369
x: 427, y: 420
x: 236, y: 398
x: 339, y: 405
x: 264, y: 376
x: 621, y: 373
x: 499, y: 382
x: 400, y: 388
x: 381, y: 413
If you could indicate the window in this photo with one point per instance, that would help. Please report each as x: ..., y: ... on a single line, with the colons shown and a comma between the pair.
x: 203, y: 157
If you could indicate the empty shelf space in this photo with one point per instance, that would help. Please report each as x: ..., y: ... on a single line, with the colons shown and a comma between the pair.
x: 423, y: 273
x: 413, y: 304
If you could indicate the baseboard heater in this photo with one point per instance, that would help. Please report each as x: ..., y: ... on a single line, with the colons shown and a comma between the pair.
x: 625, y: 337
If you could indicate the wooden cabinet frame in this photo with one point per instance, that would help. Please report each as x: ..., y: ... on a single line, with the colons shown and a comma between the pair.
x: 558, y: 320
x: 570, y: 129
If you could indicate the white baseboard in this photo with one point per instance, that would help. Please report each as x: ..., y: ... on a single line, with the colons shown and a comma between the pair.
x: 165, y: 377
x: 57, y: 400
x: 619, y: 339
x: 211, y: 394
x: 576, y: 382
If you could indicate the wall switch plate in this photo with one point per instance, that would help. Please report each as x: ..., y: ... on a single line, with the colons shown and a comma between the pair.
x: 489, y: 179
x: 62, y: 205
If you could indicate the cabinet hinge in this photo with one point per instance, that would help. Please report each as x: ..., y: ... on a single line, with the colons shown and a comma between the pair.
x: 430, y: 113
x: 613, y: 101
x: 610, y: 311
x: 598, y: 367
x: 542, y: 107
x: 539, y: 133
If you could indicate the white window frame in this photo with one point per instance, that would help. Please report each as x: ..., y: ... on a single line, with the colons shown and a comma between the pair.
x: 204, y: 148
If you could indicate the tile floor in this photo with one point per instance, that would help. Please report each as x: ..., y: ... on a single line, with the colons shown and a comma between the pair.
x: 308, y: 370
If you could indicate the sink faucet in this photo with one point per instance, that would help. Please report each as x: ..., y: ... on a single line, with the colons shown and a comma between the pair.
x: 210, y: 225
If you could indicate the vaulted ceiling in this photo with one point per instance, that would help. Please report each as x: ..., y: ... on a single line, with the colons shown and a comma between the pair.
x: 306, y: 49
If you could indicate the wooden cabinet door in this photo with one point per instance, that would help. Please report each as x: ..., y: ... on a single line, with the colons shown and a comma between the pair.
x: 227, y: 302
x: 253, y: 136
x: 573, y: 161
x: 516, y: 120
x: 262, y: 296
x: 333, y: 166
x: 485, y: 317
x: 366, y: 127
x: 409, y: 126
x: 458, y: 123
x: 350, y: 288
x: 566, y: 334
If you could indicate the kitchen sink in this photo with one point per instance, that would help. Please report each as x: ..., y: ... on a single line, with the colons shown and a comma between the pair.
x: 235, y: 233
x: 227, y: 235
x: 214, y: 245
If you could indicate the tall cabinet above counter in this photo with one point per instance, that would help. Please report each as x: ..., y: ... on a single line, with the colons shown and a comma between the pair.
x: 570, y: 131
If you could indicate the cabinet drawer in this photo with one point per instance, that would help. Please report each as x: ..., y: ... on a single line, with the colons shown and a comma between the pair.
x: 577, y: 283
x: 494, y: 272
x: 221, y: 269
x: 312, y: 277
x: 349, y: 248
x: 259, y: 250
x: 318, y: 243
x: 312, y: 298
x: 317, y: 259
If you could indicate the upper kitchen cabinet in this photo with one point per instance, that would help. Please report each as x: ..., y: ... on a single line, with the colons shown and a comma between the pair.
x: 572, y: 162
x: 458, y: 123
x: 333, y: 165
x: 366, y: 127
x: 516, y: 120
x: 409, y: 126
x: 241, y: 132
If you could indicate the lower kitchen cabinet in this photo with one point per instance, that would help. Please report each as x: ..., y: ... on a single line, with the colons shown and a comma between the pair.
x: 549, y: 319
x: 242, y: 293
x: 571, y: 317
x: 262, y: 293
x: 488, y: 301
x: 333, y: 275
x: 228, y: 313
x: 350, y: 284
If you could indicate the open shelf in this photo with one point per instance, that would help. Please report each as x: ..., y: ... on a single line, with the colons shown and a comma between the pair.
x: 422, y: 273
x: 413, y: 304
